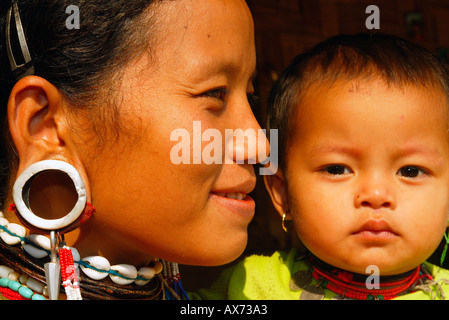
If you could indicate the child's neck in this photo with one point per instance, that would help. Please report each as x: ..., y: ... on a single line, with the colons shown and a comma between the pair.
x: 363, y: 287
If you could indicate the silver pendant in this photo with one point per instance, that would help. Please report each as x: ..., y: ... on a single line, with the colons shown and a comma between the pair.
x: 300, y: 280
x: 53, y: 271
x: 312, y: 293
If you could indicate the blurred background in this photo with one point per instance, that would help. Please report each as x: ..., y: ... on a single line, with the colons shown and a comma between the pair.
x: 286, y: 28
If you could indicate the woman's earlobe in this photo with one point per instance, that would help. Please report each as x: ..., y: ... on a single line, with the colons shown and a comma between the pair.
x: 34, y: 118
x: 39, y: 127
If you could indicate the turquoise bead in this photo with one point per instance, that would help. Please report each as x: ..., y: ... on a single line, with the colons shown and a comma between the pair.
x: 38, y: 297
x: 14, y: 285
x: 4, y: 282
x: 26, y: 292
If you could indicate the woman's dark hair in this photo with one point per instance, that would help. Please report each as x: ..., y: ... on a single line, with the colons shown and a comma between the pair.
x: 79, y: 62
x: 397, y: 61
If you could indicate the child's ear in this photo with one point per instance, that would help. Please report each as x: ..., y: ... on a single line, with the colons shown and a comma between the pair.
x: 277, y: 188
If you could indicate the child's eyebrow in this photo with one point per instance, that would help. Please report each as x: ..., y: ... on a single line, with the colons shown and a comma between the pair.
x: 408, y: 150
x: 322, y: 149
x: 422, y: 149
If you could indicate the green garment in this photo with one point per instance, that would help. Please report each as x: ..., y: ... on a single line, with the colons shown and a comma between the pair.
x: 267, y: 278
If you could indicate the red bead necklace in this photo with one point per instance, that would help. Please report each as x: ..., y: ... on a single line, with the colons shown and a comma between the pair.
x: 343, y: 283
x: 11, y: 294
x: 68, y: 273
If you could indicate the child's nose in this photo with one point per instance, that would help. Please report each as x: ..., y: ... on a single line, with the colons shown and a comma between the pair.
x: 375, y: 194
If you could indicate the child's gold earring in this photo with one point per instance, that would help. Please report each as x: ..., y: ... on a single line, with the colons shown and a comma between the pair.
x: 283, y: 221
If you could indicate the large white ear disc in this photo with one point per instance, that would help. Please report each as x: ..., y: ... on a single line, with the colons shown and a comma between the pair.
x: 21, y: 195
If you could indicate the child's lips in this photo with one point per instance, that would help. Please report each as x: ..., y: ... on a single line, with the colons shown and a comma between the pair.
x: 375, y: 231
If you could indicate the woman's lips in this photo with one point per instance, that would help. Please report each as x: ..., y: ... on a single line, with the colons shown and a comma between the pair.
x: 375, y: 231
x: 232, y: 195
x: 238, y: 202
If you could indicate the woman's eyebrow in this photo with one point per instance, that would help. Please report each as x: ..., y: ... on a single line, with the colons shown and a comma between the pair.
x: 210, y: 67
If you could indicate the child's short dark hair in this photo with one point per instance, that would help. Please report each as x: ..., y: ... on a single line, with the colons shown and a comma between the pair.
x: 395, y: 60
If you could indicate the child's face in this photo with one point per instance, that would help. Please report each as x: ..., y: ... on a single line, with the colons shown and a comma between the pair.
x: 367, y: 175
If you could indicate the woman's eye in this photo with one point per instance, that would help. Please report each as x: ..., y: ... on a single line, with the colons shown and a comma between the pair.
x: 253, y: 100
x: 411, y: 171
x: 219, y: 93
x: 336, y: 170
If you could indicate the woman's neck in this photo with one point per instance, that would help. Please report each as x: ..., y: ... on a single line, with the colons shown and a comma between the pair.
x: 92, y: 240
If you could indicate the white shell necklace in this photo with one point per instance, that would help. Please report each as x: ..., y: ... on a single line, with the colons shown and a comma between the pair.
x: 94, y: 267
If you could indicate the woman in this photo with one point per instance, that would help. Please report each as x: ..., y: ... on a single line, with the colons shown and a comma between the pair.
x: 106, y: 98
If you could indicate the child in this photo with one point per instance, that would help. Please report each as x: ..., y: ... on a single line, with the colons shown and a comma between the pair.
x: 364, y: 175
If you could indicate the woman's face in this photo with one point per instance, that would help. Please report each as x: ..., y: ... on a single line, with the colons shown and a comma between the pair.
x: 200, y: 69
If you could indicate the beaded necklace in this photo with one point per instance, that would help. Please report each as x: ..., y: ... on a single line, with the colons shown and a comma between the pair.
x: 14, y: 286
x: 37, y: 247
x: 351, y: 285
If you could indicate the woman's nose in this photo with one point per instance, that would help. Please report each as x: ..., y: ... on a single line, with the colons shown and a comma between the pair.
x: 247, y: 143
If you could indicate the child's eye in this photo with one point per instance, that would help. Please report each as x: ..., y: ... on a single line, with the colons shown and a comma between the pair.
x: 411, y: 171
x: 336, y: 169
